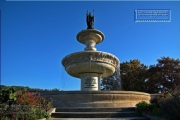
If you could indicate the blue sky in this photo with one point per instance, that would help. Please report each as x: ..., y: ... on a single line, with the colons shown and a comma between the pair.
x: 35, y: 36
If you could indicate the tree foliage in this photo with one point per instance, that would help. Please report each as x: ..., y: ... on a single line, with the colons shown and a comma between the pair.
x: 164, y: 76
x: 135, y: 76
x: 112, y: 82
x: 28, y: 88
x: 131, y: 76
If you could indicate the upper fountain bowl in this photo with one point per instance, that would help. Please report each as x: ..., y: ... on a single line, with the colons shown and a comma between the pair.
x: 90, y: 38
x: 102, y: 63
x: 90, y: 34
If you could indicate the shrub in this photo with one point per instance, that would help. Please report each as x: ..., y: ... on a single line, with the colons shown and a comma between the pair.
x: 27, y: 98
x: 152, y: 109
x: 166, y: 105
x: 23, y: 105
x: 170, y: 107
x: 142, y: 107
x: 8, y: 96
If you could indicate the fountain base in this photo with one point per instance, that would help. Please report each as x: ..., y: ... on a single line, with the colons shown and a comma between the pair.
x: 97, y: 99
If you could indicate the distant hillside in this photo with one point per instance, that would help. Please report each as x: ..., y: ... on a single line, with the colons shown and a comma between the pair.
x: 27, y: 88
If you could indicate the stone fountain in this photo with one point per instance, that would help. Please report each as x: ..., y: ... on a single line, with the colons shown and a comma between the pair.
x: 90, y: 66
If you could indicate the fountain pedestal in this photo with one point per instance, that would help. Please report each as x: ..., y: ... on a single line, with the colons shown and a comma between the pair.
x: 90, y: 81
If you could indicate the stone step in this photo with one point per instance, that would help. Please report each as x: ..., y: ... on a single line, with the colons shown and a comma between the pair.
x: 127, y: 118
x: 95, y: 109
x: 89, y: 113
x: 95, y: 114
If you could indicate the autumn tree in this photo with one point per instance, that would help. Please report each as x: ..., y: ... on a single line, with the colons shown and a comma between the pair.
x: 164, y: 76
x: 135, y: 76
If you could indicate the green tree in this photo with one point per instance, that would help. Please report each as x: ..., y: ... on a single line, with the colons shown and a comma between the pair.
x: 134, y: 75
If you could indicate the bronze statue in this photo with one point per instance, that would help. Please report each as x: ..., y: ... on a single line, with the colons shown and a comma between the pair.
x: 90, y: 20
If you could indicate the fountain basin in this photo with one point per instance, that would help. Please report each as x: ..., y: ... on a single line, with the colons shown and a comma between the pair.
x: 96, y: 99
x: 98, y: 62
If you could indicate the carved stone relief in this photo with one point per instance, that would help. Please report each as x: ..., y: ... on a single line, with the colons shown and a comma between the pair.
x: 92, y: 56
x: 90, y: 80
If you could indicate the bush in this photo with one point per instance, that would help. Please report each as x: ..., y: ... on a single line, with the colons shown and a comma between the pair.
x: 142, y: 107
x: 167, y: 106
x: 8, y: 96
x: 170, y: 107
x: 23, y: 105
x: 154, y: 109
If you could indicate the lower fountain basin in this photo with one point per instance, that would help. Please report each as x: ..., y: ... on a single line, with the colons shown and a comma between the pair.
x: 97, y: 99
x: 102, y: 63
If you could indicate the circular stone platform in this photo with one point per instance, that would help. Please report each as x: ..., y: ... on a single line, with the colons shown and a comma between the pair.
x: 97, y: 98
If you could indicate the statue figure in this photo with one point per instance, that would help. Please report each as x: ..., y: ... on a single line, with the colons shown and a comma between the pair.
x: 90, y: 20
